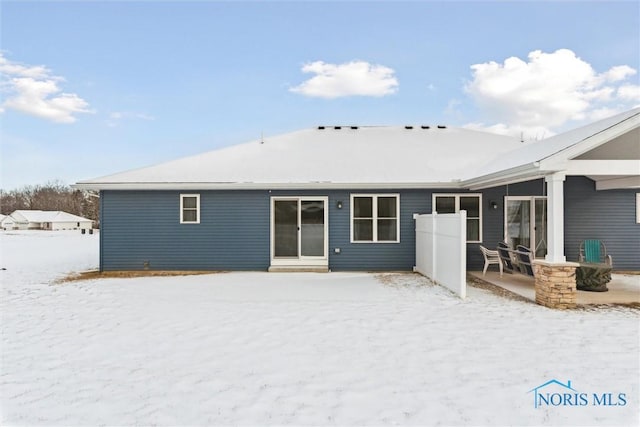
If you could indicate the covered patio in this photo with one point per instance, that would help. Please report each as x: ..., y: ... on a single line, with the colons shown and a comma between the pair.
x: 624, y: 288
x: 583, y: 171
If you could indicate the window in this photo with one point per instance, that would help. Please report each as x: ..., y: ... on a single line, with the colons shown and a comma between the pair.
x: 375, y: 218
x: 189, y: 209
x: 638, y: 208
x: 454, y: 203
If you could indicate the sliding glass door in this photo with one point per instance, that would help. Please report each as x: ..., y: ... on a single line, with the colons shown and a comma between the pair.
x: 526, y: 223
x: 299, y: 230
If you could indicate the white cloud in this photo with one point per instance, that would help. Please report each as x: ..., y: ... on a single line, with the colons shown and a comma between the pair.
x: 542, y: 94
x: 629, y: 92
x: 355, y: 78
x: 117, y: 116
x: 453, y: 108
x: 619, y: 72
x: 527, y: 134
x: 35, y: 91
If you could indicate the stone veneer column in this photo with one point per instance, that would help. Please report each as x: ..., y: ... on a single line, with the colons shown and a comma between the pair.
x: 555, y: 284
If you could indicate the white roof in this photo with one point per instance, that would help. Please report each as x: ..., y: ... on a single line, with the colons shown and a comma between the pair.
x: 349, y: 157
x: 539, y: 151
x: 46, y: 216
x: 370, y: 157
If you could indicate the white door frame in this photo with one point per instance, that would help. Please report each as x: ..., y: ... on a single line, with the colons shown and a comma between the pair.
x: 300, y: 260
x: 532, y: 217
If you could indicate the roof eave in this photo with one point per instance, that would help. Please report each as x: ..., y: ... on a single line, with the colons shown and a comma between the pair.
x: 527, y: 172
x: 99, y: 186
x: 592, y: 141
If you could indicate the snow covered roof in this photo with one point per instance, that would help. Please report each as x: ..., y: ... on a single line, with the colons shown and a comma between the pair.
x: 344, y: 156
x: 370, y: 157
x: 538, y: 151
x: 45, y: 216
x: 525, y: 161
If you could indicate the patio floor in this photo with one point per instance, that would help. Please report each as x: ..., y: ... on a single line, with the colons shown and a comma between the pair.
x: 623, y: 288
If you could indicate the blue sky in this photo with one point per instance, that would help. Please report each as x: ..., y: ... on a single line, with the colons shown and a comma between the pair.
x: 94, y: 88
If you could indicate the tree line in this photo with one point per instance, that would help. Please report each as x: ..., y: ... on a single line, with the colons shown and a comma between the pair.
x: 52, y: 196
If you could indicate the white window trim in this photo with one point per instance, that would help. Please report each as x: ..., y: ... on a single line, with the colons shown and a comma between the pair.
x: 638, y: 208
x: 300, y: 259
x: 197, y: 196
x: 532, y: 215
x: 374, y: 208
x: 457, y: 208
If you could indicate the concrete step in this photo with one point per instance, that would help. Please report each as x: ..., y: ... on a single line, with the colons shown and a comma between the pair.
x: 298, y: 269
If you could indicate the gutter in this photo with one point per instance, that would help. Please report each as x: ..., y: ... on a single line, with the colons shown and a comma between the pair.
x: 526, y: 172
x: 263, y: 186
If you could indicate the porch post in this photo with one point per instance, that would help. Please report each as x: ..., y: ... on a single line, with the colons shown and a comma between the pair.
x: 555, y: 218
x: 555, y: 278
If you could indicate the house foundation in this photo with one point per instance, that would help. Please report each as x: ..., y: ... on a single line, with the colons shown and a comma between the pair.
x: 555, y: 284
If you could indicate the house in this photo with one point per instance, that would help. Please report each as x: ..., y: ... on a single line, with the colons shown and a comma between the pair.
x: 45, y: 220
x: 343, y: 198
x: 7, y: 223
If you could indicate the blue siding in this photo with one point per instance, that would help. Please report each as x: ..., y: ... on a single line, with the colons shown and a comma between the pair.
x: 608, y: 215
x: 144, y: 226
x: 234, y: 231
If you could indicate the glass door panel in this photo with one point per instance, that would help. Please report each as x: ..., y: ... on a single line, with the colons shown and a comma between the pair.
x: 518, y: 223
x: 286, y: 228
x: 526, y: 223
x: 540, y: 227
x: 312, y: 228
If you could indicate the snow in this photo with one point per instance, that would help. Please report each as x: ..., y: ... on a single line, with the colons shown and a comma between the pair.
x: 290, y: 349
x: 364, y: 157
x: 371, y: 155
x: 45, y: 216
x: 538, y: 151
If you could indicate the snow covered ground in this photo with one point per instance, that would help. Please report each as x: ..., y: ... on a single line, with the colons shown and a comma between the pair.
x: 292, y: 349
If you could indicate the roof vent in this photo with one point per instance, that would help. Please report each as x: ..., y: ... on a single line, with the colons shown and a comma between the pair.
x: 425, y: 127
x: 354, y: 127
x: 442, y: 127
x: 337, y: 127
x: 320, y: 127
x: 408, y: 127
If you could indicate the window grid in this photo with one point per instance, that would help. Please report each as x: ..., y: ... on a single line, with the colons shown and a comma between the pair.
x: 375, y: 218
x: 470, y: 219
x: 189, y: 211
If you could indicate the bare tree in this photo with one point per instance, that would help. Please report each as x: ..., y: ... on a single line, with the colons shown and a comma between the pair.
x: 52, y: 196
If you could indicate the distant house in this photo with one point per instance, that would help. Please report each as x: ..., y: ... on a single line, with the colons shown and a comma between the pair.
x: 343, y: 198
x: 45, y: 220
x: 7, y: 222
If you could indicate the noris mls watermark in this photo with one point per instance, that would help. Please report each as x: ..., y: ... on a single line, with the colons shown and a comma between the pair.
x: 556, y: 393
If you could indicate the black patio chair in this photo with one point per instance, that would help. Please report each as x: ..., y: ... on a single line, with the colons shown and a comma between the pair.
x: 524, y: 260
x: 505, y: 257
